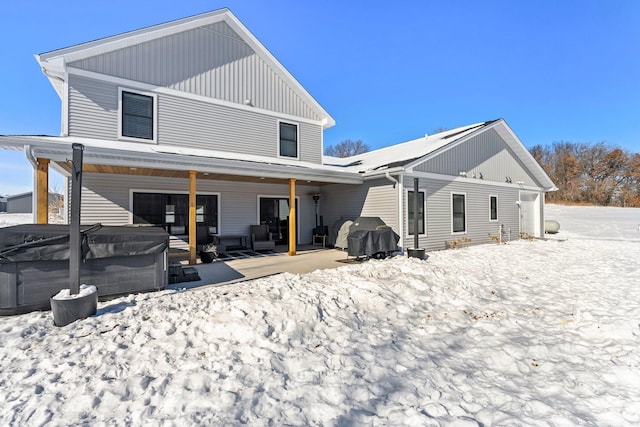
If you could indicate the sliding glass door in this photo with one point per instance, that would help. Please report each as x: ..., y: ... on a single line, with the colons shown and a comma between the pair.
x: 274, y: 211
x: 171, y: 211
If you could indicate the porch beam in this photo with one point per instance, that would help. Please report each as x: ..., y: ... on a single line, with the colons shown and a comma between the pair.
x: 192, y: 217
x: 42, y: 196
x: 292, y: 217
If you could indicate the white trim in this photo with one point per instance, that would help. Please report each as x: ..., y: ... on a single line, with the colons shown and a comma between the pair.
x: 466, y: 213
x: 186, y: 95
x: 424, y: 208
x: 520, y: 152
x: 271, y: 196
x: 278, y: 154
x: 497, y: 208
x: 154, y: 98
x: 451, y: 178
x: 64, y: 117
x: 198, y: 193
x: 535, y: 211
x: 58, y: 58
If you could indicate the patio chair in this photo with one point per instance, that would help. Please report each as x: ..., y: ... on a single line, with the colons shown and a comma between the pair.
x: 261, y: 238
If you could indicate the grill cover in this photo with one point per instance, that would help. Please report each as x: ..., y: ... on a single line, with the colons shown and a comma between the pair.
x: 369, y: 236
x: 366, y: 223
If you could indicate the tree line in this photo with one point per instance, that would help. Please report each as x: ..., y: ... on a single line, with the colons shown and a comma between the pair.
x: 585, y: 173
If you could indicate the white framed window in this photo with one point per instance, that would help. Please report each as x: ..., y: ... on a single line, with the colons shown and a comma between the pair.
x: 422, y: 209
x: 288, y: 140
x: 493, y: 208
x: 137, y: 115
x: 458, y: 213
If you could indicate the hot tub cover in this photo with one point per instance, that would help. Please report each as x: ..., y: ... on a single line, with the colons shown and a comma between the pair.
x: 38, y: 242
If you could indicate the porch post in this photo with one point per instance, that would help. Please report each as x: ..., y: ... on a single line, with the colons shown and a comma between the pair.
x: 42, y: 196
x: 292, y: 216
x: 192, y: 217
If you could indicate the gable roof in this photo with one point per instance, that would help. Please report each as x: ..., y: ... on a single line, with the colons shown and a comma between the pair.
x: 408, y: 155
x: 404, y: 153
x: 53, y: 63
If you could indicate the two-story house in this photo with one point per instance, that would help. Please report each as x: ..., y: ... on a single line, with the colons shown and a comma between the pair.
x: 193, y: 125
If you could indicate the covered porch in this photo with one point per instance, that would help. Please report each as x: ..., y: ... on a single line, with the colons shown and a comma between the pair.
x: 113, y: 174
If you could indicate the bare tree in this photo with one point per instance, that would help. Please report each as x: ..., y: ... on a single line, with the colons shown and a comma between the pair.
x: 347, y: 148
x: 591, y: 173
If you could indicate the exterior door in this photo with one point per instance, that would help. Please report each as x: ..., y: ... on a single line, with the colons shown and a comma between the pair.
x: 530, y: 213
x: 274, y: 211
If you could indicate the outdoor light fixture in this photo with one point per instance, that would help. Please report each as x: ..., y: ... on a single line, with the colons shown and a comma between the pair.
x: 316, y: 197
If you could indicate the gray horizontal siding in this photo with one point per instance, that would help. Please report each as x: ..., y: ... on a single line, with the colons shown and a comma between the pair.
x: 211, y: 61
x: 105, y: 199
x: 93, y: 113
x: 485, y: 154
x: 373, y: 198
x: 479, y: 226
x: 93, y: 108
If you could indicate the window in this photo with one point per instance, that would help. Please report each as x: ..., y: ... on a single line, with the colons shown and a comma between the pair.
x: 458, y: 219
x: 493, y: 208
x: 288, y: 140
x: 137, y: 116
x: 410, y: 216
x: 164, y: 210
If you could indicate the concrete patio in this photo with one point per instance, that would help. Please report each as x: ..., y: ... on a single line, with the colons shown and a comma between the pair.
x: 223, y: 272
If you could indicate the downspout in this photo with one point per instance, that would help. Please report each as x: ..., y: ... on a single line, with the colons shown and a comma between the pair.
x: 34, y: 190
x: 399, y: 186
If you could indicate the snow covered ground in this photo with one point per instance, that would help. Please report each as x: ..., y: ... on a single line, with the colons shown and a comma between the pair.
x: 530, y: 333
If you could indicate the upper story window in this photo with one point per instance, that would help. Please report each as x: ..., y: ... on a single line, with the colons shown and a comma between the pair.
x: 458, y: 213
x: 288, y: 137
x: 137, y: 115
x: 493, y: 208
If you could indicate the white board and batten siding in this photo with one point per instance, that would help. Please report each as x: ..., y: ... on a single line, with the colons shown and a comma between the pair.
x: 93, y: 113
x: 479, y: 227
x: 211, y: 61
x: 106, y: 199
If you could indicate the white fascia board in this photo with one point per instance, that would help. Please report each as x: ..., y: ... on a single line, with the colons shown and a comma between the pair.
x: 448, y: 147
x: 54, y: 149
x: 121, y: 41
x: 132, y: 84
x: 130, y: 38
x: 266, y: 55
x: 527, y: 159
x: 512, y: 141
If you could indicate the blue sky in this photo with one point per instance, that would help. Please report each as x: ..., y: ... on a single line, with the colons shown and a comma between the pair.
x: 387, y: 72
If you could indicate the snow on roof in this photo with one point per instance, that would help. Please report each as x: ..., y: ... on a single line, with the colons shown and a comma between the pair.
x: 403, y: 153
